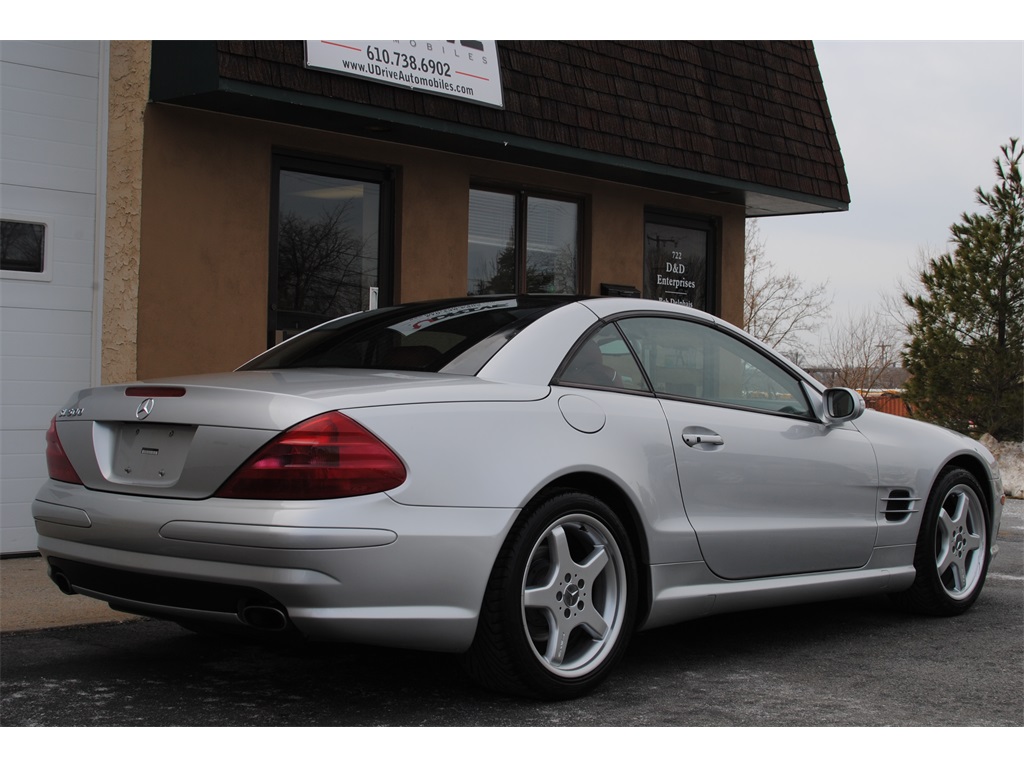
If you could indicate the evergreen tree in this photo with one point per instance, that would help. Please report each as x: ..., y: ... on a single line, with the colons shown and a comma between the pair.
x: 966, y: 348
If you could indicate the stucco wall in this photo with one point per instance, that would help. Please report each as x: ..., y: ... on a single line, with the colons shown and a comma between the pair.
x: 206, y: 228
x: 432, y: 220
x: 128, y: 93
x: 206, y: 218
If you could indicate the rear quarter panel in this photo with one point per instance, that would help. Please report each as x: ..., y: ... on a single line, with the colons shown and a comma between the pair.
x: 502, y: 454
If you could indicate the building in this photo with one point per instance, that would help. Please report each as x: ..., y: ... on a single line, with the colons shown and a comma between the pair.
x: 243, y: 191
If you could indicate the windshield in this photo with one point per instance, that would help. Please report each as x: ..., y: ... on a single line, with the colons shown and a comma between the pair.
x: 456, y: 336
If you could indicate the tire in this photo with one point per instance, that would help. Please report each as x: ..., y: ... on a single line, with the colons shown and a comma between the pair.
x: 559, y: 607
x: 952, y: 554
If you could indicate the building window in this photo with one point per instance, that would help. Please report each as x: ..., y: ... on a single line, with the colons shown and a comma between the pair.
x: 679, y: 260
x: 23, y: 248
x: 522, y: 243
x: 330, y: 250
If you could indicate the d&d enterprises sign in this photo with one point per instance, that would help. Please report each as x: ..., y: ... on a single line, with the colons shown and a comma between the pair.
x: 459, y: 69
x: 677, y: 260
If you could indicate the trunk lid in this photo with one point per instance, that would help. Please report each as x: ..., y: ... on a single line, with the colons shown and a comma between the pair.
x: 183, y: 437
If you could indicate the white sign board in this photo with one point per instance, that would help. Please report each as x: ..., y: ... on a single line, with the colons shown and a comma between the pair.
x: 459, y: 69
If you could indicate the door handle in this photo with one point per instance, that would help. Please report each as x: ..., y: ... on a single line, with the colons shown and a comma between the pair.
x: 694, y: 439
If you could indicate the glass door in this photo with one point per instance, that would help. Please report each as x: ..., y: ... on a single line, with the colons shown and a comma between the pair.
x: 679, y: 261
x: 330, y: 250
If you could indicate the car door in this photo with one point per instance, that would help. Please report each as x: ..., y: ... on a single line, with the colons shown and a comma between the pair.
x: 768, y: 488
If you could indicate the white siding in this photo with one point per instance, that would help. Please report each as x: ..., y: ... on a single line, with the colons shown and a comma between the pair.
x: 52, y: 126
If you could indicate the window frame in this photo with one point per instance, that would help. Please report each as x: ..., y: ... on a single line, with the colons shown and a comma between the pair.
x: 521, y: 197
x: 45, y: 274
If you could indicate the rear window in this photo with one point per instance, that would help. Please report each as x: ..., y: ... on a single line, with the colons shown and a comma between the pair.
x: 457, y: 336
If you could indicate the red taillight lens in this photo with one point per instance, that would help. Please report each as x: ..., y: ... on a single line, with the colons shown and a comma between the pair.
x: 57, y: 463
x: 326, y: 457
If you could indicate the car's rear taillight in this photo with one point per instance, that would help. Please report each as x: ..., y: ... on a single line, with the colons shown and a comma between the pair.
x: 326, y: 457
x: 57, y: 463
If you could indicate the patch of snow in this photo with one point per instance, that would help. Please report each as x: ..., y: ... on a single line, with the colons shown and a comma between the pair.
x: 1010, y: 457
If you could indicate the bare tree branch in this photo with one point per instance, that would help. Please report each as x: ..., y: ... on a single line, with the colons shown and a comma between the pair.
x: 777, y: 306
x: 862, y: 352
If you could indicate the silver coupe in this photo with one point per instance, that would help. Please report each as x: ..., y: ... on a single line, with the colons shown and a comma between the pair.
x: 527, y: 480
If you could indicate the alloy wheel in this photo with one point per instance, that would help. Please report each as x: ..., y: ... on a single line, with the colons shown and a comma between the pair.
x: 959, y: 542
x: 574, y: 595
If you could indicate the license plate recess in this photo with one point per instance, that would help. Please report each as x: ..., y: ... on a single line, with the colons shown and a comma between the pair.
x: 151, y: 454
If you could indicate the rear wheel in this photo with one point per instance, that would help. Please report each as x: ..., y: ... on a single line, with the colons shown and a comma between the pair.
x: 559, y: 607
x: 952, y: 552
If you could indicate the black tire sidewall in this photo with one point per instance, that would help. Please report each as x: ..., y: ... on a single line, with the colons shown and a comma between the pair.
x: 520, y: 546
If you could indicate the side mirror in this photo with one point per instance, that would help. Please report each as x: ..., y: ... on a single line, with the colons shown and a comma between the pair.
x: 842, y: 404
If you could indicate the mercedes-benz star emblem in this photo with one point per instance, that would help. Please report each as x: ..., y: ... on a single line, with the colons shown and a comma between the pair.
x: 145, y: 408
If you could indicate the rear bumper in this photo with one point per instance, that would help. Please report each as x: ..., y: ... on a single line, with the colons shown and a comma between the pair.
x: 361, y: 570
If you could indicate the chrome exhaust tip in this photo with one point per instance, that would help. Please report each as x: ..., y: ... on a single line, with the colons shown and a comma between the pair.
x: 62, y: 581
x: 263, y: 617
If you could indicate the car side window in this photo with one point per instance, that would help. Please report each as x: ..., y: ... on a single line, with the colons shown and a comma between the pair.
x: 604, y: 360
x: 693, y: 360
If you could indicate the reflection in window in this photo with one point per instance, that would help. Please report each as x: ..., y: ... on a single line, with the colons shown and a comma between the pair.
x: 492, y: 242
x: 551, y: 246
x: 327, y: 248
x: 522, y: 243
x: 22, y: 246
x: 693, y: 360
x: 604, y: 360
x: 677, y: 261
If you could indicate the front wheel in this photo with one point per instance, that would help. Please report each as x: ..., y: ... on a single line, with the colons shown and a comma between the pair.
x: 952, y: 552
x: 560, y: 604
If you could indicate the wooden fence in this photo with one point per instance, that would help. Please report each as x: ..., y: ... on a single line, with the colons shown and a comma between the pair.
x: 886, y: 402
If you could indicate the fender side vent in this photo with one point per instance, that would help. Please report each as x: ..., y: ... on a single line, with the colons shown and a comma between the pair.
x: 899, y: 504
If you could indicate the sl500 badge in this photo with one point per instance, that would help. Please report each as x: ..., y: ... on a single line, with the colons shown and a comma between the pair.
x: 70, y: 413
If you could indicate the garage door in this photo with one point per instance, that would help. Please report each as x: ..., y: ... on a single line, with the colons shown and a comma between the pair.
x: 52, y: 126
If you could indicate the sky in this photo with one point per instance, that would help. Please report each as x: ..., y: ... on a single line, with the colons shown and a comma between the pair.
x: 919, y: 125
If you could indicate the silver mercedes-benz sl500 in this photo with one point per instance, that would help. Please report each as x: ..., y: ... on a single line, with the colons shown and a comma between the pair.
x: 527, y: 480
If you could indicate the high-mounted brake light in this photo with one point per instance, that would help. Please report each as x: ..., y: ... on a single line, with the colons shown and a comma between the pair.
x: 58, y: 465
x: 327, y: 457
x: 137, y: 391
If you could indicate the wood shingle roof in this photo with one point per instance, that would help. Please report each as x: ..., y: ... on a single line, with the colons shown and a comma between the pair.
x: 746, y: 121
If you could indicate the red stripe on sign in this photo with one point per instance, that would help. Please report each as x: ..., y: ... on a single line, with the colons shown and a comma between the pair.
x: 341, y: 45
